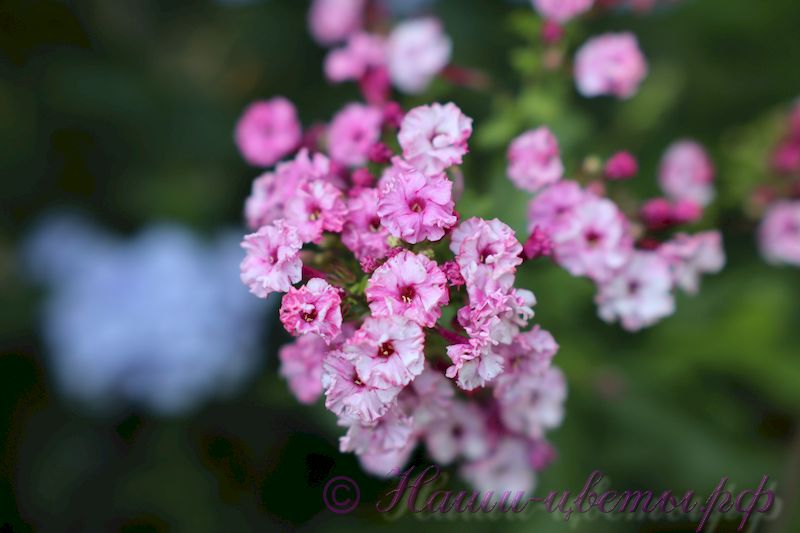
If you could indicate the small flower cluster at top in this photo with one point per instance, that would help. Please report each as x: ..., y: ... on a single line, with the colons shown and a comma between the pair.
x: 635, y: 267
x: 397, y: 304
x: 779, y: 234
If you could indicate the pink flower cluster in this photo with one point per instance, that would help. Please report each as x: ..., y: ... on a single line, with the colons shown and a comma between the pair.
x: 779, y: 233
x: 590, y: 236
x: 372, y: 337
x: 409, y: 58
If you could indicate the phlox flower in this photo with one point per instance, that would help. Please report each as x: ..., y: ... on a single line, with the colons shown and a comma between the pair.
x: 610, y: 64
x: 415, y: 207
x: 272, y: 261
x: 363, y: 233
x: 352, y: 133
x: 462, y: 433
x: 507, y: 468
x: 332, y: 21
x: 313, y: 308
x: 428, y: 399
x: 562, y: 10
x: 316, y: 206
x: 434, y: 137
x: 416, y: 51
x: 387, y: 351
x: 639, y: 294
x: 534, y: 160
x: 267, y: 131
x: 487, y: 253
x: 689, y: 256
x: 409, y: 285
x: 364, y: 51
x: 687, y: 173
x: 301, y: 366
x: 347, y: 396
x: 535, y: 403
x: 779, y: 234
x: 393, y: 431
x: 475, y: 363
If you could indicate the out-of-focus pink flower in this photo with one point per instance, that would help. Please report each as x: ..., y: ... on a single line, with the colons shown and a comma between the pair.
x: 610, y: 64
x: 267, y: 131
x: 428, y: 400
x: 657, y: 213
x: 332, y: 21
x: 534, y: 160
x: 363, y: 233
x: 392, y: 432
x: 497, y: 317
x: 621, y: 166
x: 551, y: 210
x: 488, y: 253
x: 689, y: 256
x: 415, y: 207
x: 434, y: 137
x: 354, y: 130
x: 301, y: 366
x: 364, y: 51
x: 387, y: 351
x: 639, y: 294
x: 506, y: 469
x: 417, y: 50
x: 786, y: 157
x: 387, y: 464
x: 315, y: 207
x: 538, y: 245
x: 475, y: 363
x: 272, y: 261
x: 346, y: 394
x: 527, y: 356
x: 410, y: 285
x: 562, y: 10
x: 686, y: 173
x: 552, y: 32
x: 535, y: 403
x: 462, y: 433
x: 597, y: 242
x: 272, y: 190
x: 313, y: 308
x: 779, y: 234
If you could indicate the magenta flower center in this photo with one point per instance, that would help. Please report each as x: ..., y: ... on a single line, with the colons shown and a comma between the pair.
x: 417, y: 205
x: 407, y: 294
x: 386, y: 349
x: 593, y: 237
x: 314, y: 214
x: 375, y: 225
x: 309, y: 316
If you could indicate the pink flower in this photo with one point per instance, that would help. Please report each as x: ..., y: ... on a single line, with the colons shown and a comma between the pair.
x: 535, y: 403
x: 331, y: 21
x: 364, y: 51
x: 621, y: 166
x: 313, y: 308
x: 686, y: 173
x: 475, y: 363
x: 610, y: 64
x: 417, y: 50
x: 487, y: 253
x: 393, y: 431
x: 597, y: 241
x: 434, y: 137
x: 507, y: 468
x: 534, y: 160
x: 363, y: 233
x: 301, y: 366
x: 353, y: 131
x: 272, y: 190
x: 690, y: 256
x: 551, y: 210
x: 415, y: 207
x: 387, y: 351
x: 267, y: 131
x: 529, y: 355
x: 387, y: 464
x: 409, y: 285
x: 639, y: 294
x: 272, y: 261
x: 498, y: 316
x: 428, y: 400
x: 462, y: 433
x: 347, y: 396
x: 562, y: 10
x: 316, y: 206
x: 537, y: 245
x: 779, y: 234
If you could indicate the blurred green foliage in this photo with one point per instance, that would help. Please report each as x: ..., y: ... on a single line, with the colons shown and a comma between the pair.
x: 126, y: 109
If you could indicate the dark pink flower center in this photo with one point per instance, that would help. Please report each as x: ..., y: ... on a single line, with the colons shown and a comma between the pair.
x: 386, y: 349
x: 375, y: 225
x: 416, y: 205
x: 633, y: 286
x: 593, y: 237
x: 314, y: 213
x: 309, y: 316
x: 407, y: 294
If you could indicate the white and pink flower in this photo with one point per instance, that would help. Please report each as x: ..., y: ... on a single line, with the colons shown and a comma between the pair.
x: 313, y: 308
x: 610, y: 64
x: 534, y: 160
x: 434, y: 137
x: 272, y: 261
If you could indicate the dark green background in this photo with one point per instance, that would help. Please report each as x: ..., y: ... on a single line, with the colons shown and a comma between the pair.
x: 125, y: 110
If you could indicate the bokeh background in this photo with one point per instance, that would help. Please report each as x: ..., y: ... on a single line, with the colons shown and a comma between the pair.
x: 123, y: 111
